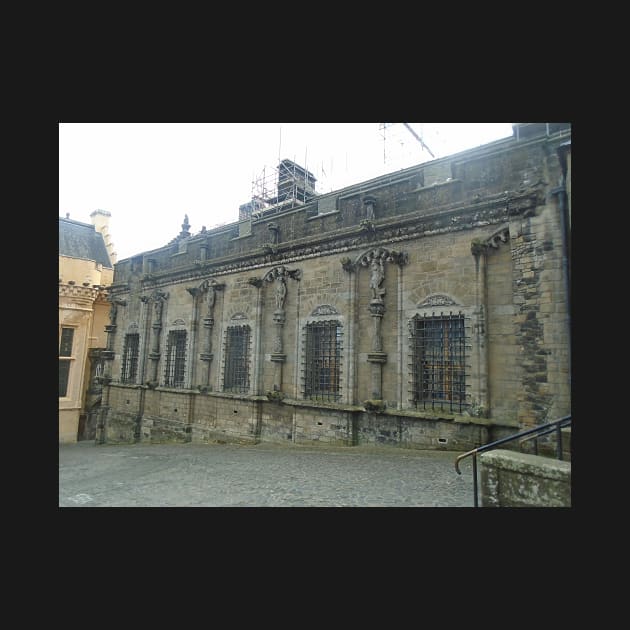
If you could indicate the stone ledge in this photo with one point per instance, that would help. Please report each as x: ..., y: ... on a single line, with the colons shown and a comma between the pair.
x: 526, y: 464
x: 322, y: 405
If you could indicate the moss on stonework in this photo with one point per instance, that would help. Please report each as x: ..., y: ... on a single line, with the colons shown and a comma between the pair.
x: 374, y: 405
x: 275, y: 396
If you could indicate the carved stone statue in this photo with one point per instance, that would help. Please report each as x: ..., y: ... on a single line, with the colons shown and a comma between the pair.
x: 369, y: 210
x: 211, y: 299
x: 158, y: 303
x: 377, y: 276
x: 281, y: 288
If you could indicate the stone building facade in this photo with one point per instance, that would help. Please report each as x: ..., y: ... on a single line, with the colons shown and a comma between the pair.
x: 86, y: 270
x: 428, y: 308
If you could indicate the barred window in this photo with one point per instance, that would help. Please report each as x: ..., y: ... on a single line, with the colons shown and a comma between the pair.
x: 175, y: 359
x: 322, y: 361
x: 236, y: 369
x: 438, y: 362
x: 130, y: 358
x: 65, y: 350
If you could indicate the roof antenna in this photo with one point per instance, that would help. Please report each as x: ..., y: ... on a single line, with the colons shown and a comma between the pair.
x: 280, y: 145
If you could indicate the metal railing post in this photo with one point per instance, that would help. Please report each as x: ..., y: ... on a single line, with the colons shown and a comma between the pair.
x: 475, y: 479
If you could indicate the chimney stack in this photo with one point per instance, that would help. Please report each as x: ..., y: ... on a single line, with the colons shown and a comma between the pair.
x: 100, y: 220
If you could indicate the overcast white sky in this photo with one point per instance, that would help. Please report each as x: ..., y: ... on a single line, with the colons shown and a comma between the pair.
x: 149, y: 175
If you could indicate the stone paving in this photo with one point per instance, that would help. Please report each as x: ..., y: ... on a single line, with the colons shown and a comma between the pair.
x: 259, y: 475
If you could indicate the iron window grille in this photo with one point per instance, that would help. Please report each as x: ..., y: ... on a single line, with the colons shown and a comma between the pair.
x: 322, y: 361
x: 438, y: 362
x: 175, y: 359
x: 65, y: 350
x: 130, y: 358
x: 236, y: 369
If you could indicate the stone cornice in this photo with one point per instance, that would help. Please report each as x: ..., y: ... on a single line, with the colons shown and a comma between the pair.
x: 87, y: 293
x: 480, y: 212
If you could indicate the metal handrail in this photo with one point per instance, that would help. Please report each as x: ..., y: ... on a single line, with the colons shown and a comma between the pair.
x: 535, y: 437
x: 535, y: 432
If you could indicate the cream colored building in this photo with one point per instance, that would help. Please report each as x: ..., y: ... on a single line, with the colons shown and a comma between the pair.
x: 86, y: 259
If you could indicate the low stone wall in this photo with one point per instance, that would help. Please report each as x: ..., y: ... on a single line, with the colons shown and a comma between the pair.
x: 163, y: 415
x: 512, y: 479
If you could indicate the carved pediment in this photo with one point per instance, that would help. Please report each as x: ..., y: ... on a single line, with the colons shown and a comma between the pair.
x: 437, y: 299
x: 324, y: 309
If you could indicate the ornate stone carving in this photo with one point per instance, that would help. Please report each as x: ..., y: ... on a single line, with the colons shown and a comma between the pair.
x: 209, y: 286
x: 377, y: 275
x: 278, y: 275
x: 159, y: 297
x: 438, y: 299
x: 324, y: 309
x: 383, y: 254
x: 275, y: 230
x: 481, y: 246
x: 348, y: 265
x: 113, y: 311
x: 369, y: 203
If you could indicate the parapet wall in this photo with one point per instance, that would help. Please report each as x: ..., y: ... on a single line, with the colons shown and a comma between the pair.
x: 512, y: 479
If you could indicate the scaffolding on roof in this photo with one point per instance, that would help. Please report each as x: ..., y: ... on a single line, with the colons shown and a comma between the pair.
x: 279, y: 188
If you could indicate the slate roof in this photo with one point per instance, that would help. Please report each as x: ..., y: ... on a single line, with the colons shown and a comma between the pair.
x: 81, y: 240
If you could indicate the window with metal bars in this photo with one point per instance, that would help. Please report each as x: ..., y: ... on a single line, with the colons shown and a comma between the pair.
x: 322, y: 361
x: 236, y: 368
x: 65, y: 350
x: 130, y: 358
x: 438, y: 362
x: 175, y: 359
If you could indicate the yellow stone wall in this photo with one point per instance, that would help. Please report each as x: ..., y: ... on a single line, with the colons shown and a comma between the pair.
x: 83, y: 307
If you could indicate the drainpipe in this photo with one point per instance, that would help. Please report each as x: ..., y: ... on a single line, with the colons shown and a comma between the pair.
x: 561, y: 191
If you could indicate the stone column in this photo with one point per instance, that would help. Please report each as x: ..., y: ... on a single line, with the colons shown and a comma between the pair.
x: 203, y: 248
x: 351, y: 392
x: 480, y: 388
x: 206, y: 354
x: 377, y: 357
x: 109, y: 354
x: 278, y: 276
x: 257, y: 359
x: 375, y: 260
x: 194, y: 334
x: 278, y: 356
x: 157, y: 299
